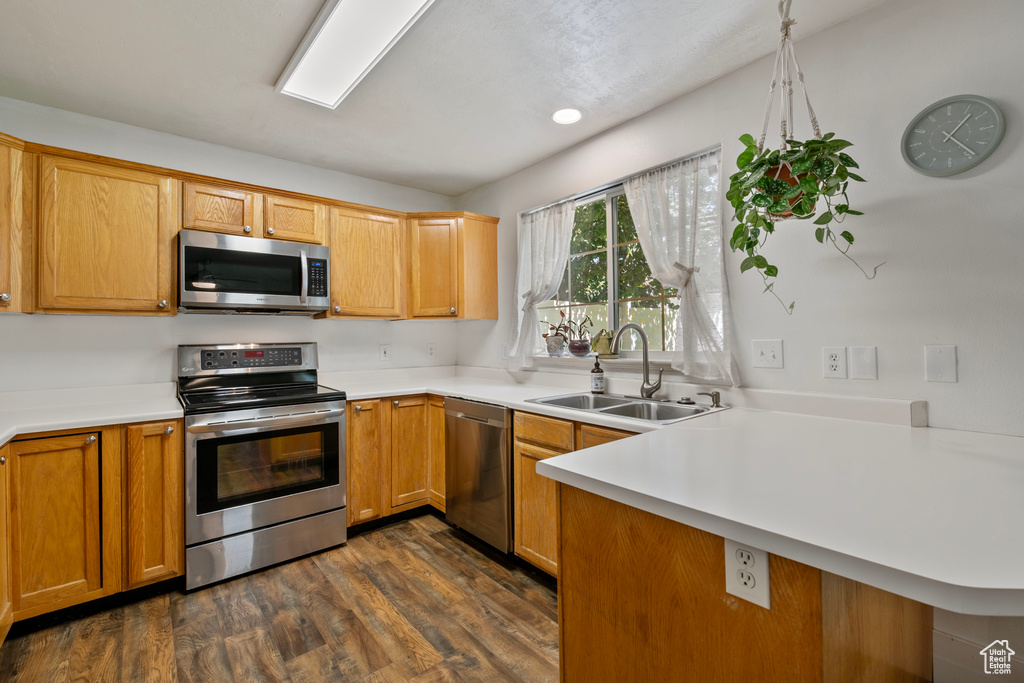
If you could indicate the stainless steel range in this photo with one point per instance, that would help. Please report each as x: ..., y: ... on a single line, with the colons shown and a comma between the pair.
x: 264, y: 458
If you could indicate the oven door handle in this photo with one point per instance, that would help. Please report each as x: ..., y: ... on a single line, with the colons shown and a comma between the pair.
x: 305, y: 420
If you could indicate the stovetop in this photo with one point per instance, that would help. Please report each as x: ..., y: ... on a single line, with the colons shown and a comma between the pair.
x: 238, y: 398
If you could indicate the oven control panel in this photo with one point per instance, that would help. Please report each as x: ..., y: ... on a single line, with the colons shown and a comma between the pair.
x: 276, y: 357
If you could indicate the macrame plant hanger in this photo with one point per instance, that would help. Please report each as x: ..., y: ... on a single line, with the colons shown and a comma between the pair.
x: 785, y: 65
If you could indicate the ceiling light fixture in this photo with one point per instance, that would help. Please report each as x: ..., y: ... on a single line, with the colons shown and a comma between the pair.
x: 348, y: 39
x: 567, y: 116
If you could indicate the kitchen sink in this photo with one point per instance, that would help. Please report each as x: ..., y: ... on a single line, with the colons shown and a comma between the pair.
x: 646, y: 410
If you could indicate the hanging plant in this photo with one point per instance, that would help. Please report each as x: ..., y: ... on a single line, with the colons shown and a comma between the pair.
x: 803, y: 179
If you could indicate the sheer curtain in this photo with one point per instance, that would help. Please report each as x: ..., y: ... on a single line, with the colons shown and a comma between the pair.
x: 544, y: 237
x: 677, y: 213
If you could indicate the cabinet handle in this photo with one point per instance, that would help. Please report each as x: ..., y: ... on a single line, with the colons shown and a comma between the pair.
x: 163, y: 303
x: 396, y: 404
x: 89, y: 440
x: 451, y: 310
x: 169, y: 431
x: 337, y: 308
x: 247, y: 229
x: 359, y: 409
x: 5, y: 297
x: 270, y: 231
x: 3, y: 459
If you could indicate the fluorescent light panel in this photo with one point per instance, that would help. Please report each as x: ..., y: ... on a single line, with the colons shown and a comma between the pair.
x: 345, y: 42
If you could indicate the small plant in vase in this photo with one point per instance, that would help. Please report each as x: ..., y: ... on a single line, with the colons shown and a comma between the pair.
x: 579, y: 345
x: 578, y: 335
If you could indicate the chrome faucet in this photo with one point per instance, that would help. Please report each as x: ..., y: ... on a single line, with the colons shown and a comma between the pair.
x: 646, y: 388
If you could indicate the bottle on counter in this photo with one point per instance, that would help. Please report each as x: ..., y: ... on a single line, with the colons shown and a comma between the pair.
x: 597, y: 378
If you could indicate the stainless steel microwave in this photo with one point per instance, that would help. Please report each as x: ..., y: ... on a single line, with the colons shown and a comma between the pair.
x: 228, y: 273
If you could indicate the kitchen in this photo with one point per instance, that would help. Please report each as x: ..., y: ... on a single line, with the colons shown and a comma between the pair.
x: 869, y: 76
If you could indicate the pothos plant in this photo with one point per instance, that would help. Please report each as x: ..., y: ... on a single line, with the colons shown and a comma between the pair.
x: 805, y: 180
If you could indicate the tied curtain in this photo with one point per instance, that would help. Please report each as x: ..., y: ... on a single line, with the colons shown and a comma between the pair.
x: 544, y: 237
x: 676, y: 210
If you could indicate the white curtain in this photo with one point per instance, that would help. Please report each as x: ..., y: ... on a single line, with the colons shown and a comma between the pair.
x: 544, y: 237
x: 677, y: 213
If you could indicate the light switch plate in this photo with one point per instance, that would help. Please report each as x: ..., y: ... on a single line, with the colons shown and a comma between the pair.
x: 940, y: 363
x: 746, y: 573
x: 767, y: 353
x: 863, y: 362
x: 385, y: 351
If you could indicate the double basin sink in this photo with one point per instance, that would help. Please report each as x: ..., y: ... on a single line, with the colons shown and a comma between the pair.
x: 646, y: 410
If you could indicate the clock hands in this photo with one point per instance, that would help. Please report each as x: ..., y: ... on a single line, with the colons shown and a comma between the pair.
x: 949, y: 136
x: 953, y: 132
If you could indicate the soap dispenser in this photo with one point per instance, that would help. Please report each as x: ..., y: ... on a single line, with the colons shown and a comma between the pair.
x: 597, y: 378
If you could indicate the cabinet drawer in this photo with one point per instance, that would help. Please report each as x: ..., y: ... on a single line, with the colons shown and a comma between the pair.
x: 595, y: 436
x: 544, y: 430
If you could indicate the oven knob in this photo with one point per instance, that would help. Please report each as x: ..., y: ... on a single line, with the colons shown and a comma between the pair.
x: 169, y: 431
x: 247, y: 229
x: 234, y: 363
x: 209, y: 363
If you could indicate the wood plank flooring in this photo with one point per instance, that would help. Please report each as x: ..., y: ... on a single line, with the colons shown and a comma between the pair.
x: 407, y: 602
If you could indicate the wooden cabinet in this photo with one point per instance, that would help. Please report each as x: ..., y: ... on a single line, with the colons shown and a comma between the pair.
x: 12, y: 234
x: 297, y: 220
x: 366, y: 264
x: 433, y: 268
x: 453, y: 265
x: 154, y: 499
x: 6, y: 606
x: 436, y: 452
x: 65, y: 519
x: 409, y: 450
x: 222, y: 209
x: 536, y: 497
x: 106, y: 238
x: 367, y: 455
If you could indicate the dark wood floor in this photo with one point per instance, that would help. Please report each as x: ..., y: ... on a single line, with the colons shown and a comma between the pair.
x: 407, y: 602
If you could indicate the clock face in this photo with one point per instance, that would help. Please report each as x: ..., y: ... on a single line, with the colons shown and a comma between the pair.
x: 953, y: 135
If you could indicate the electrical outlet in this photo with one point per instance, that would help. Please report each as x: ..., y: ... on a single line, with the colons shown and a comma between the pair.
x: 863, y: 362
x: 430, y: 349
x: 385, y: 351
x: 833, y: 360
x: 767, y: 353
x: 746, y: 573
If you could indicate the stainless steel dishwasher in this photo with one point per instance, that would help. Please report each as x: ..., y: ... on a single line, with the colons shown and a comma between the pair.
x: 478, y: 446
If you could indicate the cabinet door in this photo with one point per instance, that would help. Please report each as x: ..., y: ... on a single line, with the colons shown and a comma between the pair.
x: 478, y: 268
x: 222, y: 209
x: 408, y: 452
x: 436, y: 457
x: 6, y: 606
x: 155, y: 493
x: 11, y: 218
x: 298, y: 220
x: 367, y: 441
x: 366, y: 264
x: 536, y: 506
x: 433, y: 261
x: 590, y: 435
x: 65, y: 520
x: 106, y: 238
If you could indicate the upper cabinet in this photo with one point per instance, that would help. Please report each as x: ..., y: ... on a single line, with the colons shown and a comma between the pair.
x: 106, y: 238
x: 222, y: 209
x: 11, y: 227
x: 453, y: 266
x: 366, y: 264
x: 297, y: 220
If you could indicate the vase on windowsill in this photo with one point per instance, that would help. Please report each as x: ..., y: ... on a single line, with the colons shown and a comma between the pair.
x: 555, y: 344
x: 579, y: 348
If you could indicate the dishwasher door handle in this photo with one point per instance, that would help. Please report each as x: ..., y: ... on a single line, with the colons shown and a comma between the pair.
x: 481, y: 420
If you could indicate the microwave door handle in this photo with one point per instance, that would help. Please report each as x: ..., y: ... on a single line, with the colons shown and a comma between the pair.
x: 305, y: 277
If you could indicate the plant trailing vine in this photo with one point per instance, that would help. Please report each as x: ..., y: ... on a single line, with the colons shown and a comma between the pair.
x: 774, y: 185
x: 793, y: 181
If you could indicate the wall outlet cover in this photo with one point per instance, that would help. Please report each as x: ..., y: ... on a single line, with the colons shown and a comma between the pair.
x: 833, y: 362
x: 746, y: 573
x: 940, y: 363
x: 767, y: 353
x: 430, y: 349
x: 863, y: 362
x: 385, y: 351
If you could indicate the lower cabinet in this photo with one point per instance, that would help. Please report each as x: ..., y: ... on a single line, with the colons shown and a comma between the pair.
x: 6, y: 606
x: 394, y: 456
x: 536, y: 496
x: 70, y: 496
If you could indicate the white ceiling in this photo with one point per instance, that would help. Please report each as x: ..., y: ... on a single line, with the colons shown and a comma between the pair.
x: 463, y: 99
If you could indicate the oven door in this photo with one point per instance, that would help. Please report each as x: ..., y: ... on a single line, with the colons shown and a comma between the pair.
x: 249, y: 469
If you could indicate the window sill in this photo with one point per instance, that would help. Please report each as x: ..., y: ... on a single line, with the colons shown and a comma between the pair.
x: 624, y: 363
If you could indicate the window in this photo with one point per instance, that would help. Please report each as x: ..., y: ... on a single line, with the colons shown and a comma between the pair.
x: 608, y: 280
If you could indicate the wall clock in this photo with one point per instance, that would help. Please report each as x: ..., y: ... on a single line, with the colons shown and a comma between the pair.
x: 953, y: 135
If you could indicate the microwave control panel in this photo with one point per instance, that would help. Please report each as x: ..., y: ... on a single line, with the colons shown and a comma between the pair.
x: 217, y: 359
x: 317, y: 277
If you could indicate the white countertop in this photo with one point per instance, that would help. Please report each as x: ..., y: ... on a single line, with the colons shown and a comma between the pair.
x: 934, y: 515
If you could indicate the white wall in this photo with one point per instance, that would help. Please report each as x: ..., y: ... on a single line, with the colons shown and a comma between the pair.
x: 43, y: 351
x: 952, y: 246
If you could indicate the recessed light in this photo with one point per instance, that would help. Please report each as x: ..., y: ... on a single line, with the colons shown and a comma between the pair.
x: 567, y: 116
x: 345, y: 42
